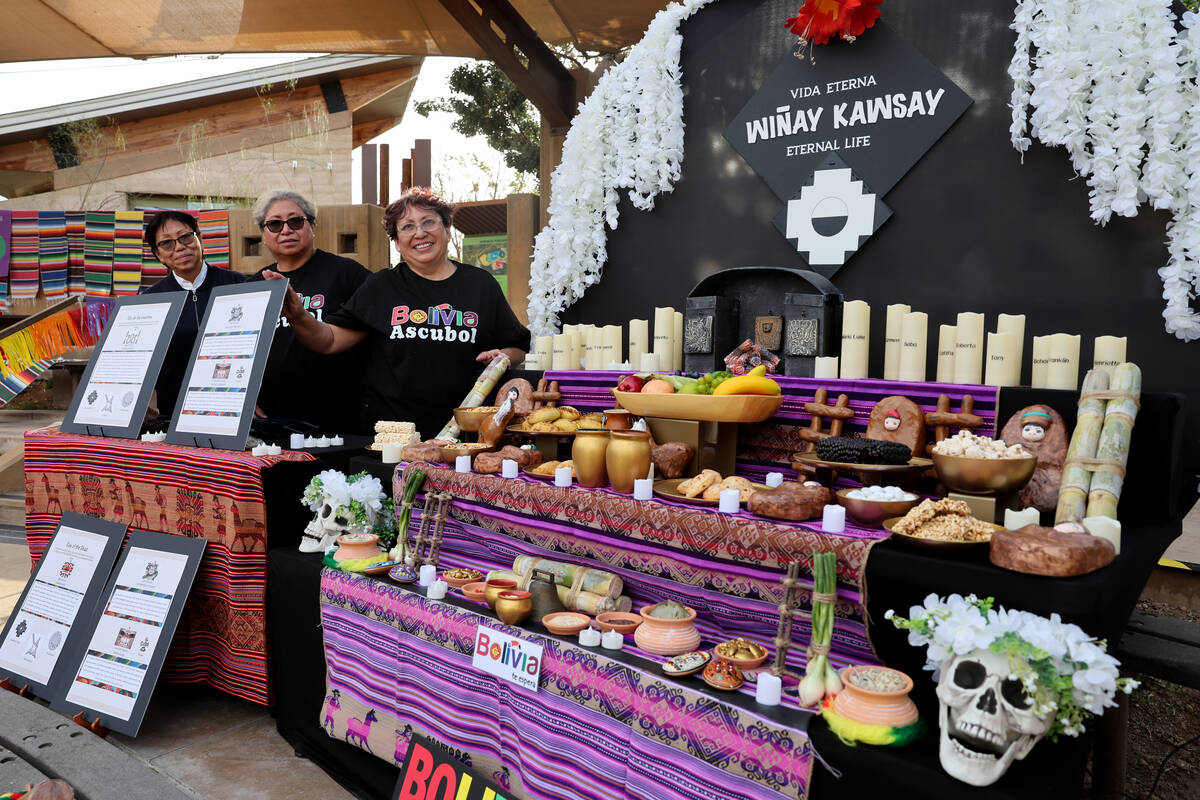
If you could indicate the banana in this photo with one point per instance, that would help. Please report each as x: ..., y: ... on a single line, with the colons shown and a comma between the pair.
x: 753, y: 382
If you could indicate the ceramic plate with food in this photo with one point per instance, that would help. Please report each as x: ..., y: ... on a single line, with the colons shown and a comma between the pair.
x: 403, y: 573
x: 670, y: 490
x: 686, y: 664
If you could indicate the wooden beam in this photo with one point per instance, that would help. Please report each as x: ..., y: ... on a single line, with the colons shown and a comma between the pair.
x: 366, y: 131
x: 516, y: 48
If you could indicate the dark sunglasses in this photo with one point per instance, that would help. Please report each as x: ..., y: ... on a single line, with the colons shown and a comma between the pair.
x: 295, y: 223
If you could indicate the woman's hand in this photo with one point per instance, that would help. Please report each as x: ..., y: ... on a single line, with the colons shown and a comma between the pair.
x: 487, y: 355
x: 293, y: 306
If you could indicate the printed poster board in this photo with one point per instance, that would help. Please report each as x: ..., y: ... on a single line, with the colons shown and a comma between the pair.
x: 216, y: 400
x: 64, y: 590
x: 112, y: 672
x: 114, y: 393
x: 489, y: 252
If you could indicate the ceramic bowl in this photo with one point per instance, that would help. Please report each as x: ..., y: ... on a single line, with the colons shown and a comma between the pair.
x: 724, y: 649
x: 566, y: 623
x: 872, y: 513
x: 890, y: 707
x: 978, y: 475
x: 622, y: 622
x: 667, y: 637
x: 459, y: 583
x: 474, y: 591
x: 452, y: 451
x: 687, y: 663
x: 403, y: 573
x: 469, y: 419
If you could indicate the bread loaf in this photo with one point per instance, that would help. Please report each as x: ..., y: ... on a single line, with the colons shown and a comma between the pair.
x: 790, y: 501
x: 1045, y: 551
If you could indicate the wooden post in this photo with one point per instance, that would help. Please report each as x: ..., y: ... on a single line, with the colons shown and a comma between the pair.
x: 523, y: 217
x: 385, y: 176
x: 406, y: 170
x: 422, y: 163
x: 370, y: 173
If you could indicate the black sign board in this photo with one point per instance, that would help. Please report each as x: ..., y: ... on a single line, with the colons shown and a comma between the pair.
x: 430, y: 771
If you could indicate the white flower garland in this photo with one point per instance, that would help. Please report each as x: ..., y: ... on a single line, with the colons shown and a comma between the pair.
x: 627, y: 135
x: 1116, y: 86
x: 358, y: 497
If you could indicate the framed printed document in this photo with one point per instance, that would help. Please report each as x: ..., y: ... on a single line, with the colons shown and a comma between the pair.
x: 216, y: 401
x: 115, y: 390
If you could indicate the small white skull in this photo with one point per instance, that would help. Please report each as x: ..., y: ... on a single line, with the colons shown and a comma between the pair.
x: 987, y: 720
x: 321, y: 533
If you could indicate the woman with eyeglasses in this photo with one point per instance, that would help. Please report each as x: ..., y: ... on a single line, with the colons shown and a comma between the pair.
x: 429, y: 323
x: 174, y: 238
x: 297, y: 383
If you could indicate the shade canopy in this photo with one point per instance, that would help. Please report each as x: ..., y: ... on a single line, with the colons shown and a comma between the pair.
x: 51, y: 29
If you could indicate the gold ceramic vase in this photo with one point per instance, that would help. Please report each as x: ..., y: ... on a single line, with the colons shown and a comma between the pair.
x: 588, y: 453
x: 627, y: 459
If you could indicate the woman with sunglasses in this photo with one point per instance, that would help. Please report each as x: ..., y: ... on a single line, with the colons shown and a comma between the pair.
x: 429, y: 323
x: 297, y: 382
x: 174, y: 238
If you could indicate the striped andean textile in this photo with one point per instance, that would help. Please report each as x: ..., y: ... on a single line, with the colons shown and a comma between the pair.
x: 216, y: 494
x: 153, y: 270
x: 98, y: 253
x: 214, y: 233
x: 76, y: 233
x: 5, y: 254
x: 24, y: 275
x: 597, y: 728
x: 53, y: 253
x: 127, y: 253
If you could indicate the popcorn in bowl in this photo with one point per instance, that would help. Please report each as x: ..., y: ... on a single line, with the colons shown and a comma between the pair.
x: 967, y: 445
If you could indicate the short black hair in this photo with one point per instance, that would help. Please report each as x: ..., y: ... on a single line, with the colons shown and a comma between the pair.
x: 160, y: 219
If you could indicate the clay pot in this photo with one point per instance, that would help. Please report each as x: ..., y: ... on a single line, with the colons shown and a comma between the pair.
x: 618, y: 419
x: 513, y: 606
x: 627, y: 459
x: 588, y: 453
x: 892, y: 708
x: 667, y: 637
x: 353, y: 546
x: 493, y: 588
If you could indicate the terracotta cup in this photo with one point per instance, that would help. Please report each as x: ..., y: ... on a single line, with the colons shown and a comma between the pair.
x: 892, y: 708
x: 588, y: 454
x: 618, y: 419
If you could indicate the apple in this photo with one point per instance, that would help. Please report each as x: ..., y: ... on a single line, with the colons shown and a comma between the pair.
x: 631, y: 383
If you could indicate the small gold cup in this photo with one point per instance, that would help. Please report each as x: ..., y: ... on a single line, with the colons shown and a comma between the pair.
x: 494, y: 587
x: 513, y: 606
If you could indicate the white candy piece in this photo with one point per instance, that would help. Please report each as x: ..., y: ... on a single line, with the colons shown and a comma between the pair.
x: 968, y: 445
x: 881, y: 494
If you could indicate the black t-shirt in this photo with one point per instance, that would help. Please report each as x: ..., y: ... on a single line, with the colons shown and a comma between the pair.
x: 305, y: 385
x: 423, y: 337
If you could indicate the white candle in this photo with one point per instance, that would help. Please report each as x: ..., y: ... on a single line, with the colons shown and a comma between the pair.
x: 768, y: 689
x: 914, y: 341
x: 731, y: 500
x: 677, y: 342
x: 1015, y: 520
x: 774, y: 479
x: 613, y: 350
x: 856, y: 330
x: 437, y: 590
x: 259, y: 450
x: 508, y: 468
x: 310, y: 441
x: 639, y: 339
x: 1041, y: 362
x: 562, y: 477
x: 427, y: 574
x: 1062, y: 371
x: 589, y: 637
x: 1107, y: 352
x: 1105, y: 528
x: 1002, y: 355
x: 891, y: 340
x: 833, y: 519
x: 649, y: 362
x: 323, y: 441
x: 826, y: 367
x: 643, y: 488
x: 297, y: 441
x: 968, y: 348
x: 147, y: 437
x: 593, y: 353
x: 462, y: 463
x: 664, y: 330
x: 1015, y: 324
x: 391, y: 452
x: 336, y: 441
x: 612, y: 640
x: 560, y: 354
x: 947, y: 341
x: 274, y: 450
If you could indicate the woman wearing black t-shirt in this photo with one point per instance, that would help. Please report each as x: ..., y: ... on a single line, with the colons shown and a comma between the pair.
x: 425, y: 323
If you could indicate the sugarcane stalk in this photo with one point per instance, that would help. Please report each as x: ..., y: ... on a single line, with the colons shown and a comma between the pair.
x: 1077, y: 480
x: 487, y: 381
x: 1119, y: 416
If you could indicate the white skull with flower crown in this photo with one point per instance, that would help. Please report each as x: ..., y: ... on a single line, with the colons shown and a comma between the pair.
x: 339, y: 503
x: 1007, y: 678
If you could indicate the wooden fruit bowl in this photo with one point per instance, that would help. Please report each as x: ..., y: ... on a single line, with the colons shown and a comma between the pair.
x: 701, y: 407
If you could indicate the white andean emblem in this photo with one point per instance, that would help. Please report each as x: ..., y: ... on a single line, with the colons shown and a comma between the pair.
x: 833, y: 196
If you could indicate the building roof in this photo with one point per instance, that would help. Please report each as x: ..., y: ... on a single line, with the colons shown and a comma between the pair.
x: 480, y: 217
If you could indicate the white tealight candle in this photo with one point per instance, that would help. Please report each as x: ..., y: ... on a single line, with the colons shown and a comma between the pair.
x: 774, y: 479
x: 731, y: 500
x: 833, y: 519
x: 768, y: 689
x: 612, y: 640
x: 437, y: 590
x: 274, y: 450
x: 589, y: 637
x: 310, y: 441
x: 391, y: 452
x: 649, y: 362
x: 324, y: 441
x: 259, y: 450
x: 562, y: 477
x: 336, y: 441
x: 297, y: 441
x: 1015, y: 520
x: 147, y: 437
x: 826, y: 368
x: 428, y: 574
x: 462, y: 464
x: 643, y: 488
x: 508, y: 468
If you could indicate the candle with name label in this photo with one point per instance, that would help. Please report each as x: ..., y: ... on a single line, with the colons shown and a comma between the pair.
x: 914, y: 340
x: 968, y: 348
x: 612, y: 350
x: 560, y: 358
x: 891, y: 340
x: 639, y: 340
x: 1108, y: 352
x: 1001, y: 357
x: 664, y: 333
x: 1015, y: 324
x: 826, y: 367
x: 1039, y: 362
x: 1063, y: 369
x: 575, y: 351
x: 594, y: 350
x: 677, y: 342
x: 947, y: 339
x: 856, y: 343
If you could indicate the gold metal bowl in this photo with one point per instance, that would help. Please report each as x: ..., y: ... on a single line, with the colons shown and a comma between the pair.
x: 982, y: 475
x: 872, y: 513
x: 469, y: 419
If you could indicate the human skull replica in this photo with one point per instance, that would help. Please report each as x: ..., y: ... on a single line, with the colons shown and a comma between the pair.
x: 330, y: 522
x: 330, y: 495
x: 987, y: 720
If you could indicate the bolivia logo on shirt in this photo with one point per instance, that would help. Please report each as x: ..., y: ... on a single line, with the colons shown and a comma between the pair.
x: 440, y: 323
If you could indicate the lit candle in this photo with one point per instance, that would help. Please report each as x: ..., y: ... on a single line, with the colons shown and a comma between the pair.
x: 856, y: 330
x: 1106, y: 528
x: 1108, y: 352
x: 768, y: 689
x: 968, y: 348
x: 643, y: 488
x: 562, y: 477
x: 914, y: 339
x: 774, y: 479
x: 826, y: 367
x: 1041, y: 362
x: 664, y: 330
x: 560, y: 357
x: 1015, y: 324
x: 462, y: 463
x: 612, y: 640
x: 677, y: 342
x: 1015, y: 520
x: 508, y: 468
x: 428, y: 574
x: 833, y: 519
x: 1001, y: 355
x: 1063, y: 369
x: 947, y: 341
x: 649, y: 362
x: 893, y: 328
x: 731, y: 500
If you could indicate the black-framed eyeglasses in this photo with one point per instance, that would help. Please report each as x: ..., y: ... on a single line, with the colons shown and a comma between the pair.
x: 428, y: 225
x: 295, y: 223
x: 169, y: 245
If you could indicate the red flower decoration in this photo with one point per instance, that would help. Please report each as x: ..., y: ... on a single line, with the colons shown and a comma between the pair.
x: 819, y: 20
